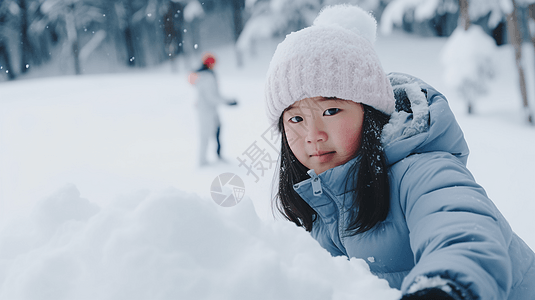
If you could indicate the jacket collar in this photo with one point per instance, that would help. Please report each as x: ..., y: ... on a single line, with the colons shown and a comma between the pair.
x: 423, y: 122
x: 327, y: 192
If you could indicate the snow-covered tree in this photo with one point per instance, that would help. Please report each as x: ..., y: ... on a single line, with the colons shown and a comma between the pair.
x: 468, y: 57
x: 469, y: 63
x: 399, y: 13
x: 507, y: 9
x: 467, y: 67
x: 146, y: 26
x: 367, y: 5
x: 275, y: 17
x: 72, y: 32
x: 480, y: 8
x: 21, y: 26
x: 70, y: 17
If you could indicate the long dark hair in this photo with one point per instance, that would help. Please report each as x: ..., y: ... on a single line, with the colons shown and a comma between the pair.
x: 369, y: 180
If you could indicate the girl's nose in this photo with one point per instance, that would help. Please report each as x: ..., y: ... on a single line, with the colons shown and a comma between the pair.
x: 315, y: 132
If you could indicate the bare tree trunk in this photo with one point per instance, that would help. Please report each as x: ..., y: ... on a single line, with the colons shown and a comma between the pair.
x: 237, y: 6
x: 515, y: 38
x: 531, y: 29
x: 465, y: 16
x: 26, y: 48
x: 128, y: 31
x: 76, y: 56
x: 464, y: 22
x: 170, y: 39
x: 72, y: 37
x: 4, y: 52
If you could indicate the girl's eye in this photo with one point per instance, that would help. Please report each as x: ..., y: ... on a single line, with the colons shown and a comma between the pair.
x: 331, y: 111
x: 296, y: 119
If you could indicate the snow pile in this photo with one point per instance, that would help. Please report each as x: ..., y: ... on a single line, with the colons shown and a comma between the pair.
x: 170, y: 245
x: 469, y: 61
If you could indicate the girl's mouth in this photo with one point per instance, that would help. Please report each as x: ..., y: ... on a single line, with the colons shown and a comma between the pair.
x: 323, y: 156
x: 322, y: 153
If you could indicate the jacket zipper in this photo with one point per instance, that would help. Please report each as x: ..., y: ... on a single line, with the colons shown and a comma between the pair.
x: 317, y: 190
x: 316, y: 183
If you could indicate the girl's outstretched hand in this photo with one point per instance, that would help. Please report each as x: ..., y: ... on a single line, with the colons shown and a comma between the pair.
x: 431, y: 294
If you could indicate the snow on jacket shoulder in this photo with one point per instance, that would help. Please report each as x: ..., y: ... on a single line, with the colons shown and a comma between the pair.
x: 440, y: 222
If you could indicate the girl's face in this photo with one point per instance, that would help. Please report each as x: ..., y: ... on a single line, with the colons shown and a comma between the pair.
x: 323, y: 133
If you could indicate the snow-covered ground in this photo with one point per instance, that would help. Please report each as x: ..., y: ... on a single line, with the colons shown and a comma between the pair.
x: 101, y: 196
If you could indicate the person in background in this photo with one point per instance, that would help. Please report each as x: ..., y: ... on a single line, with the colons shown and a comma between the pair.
x: 374, y: 167
x: 208, y: 100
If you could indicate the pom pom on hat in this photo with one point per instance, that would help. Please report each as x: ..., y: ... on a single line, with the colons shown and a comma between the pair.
x: 334, y: 57
x: 349, y: 17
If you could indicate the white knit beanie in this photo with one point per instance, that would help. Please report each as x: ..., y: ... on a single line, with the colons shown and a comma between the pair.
x: 334, y: 57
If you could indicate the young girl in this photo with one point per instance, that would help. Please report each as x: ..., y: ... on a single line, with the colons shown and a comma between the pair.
x: 374, y: 166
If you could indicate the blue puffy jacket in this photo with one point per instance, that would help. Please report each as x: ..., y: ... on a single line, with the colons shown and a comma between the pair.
x: 441, y: 222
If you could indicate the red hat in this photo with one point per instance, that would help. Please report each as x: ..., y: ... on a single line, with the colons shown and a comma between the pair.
x: 208, y: 59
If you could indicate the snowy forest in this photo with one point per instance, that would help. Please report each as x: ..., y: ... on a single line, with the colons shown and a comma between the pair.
x: 101, y: 192
x: 90, y: 36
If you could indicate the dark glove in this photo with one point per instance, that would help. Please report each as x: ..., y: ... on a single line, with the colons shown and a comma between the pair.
x: 430, y: 294
x: 233, y: 102
x: 445, y: 290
